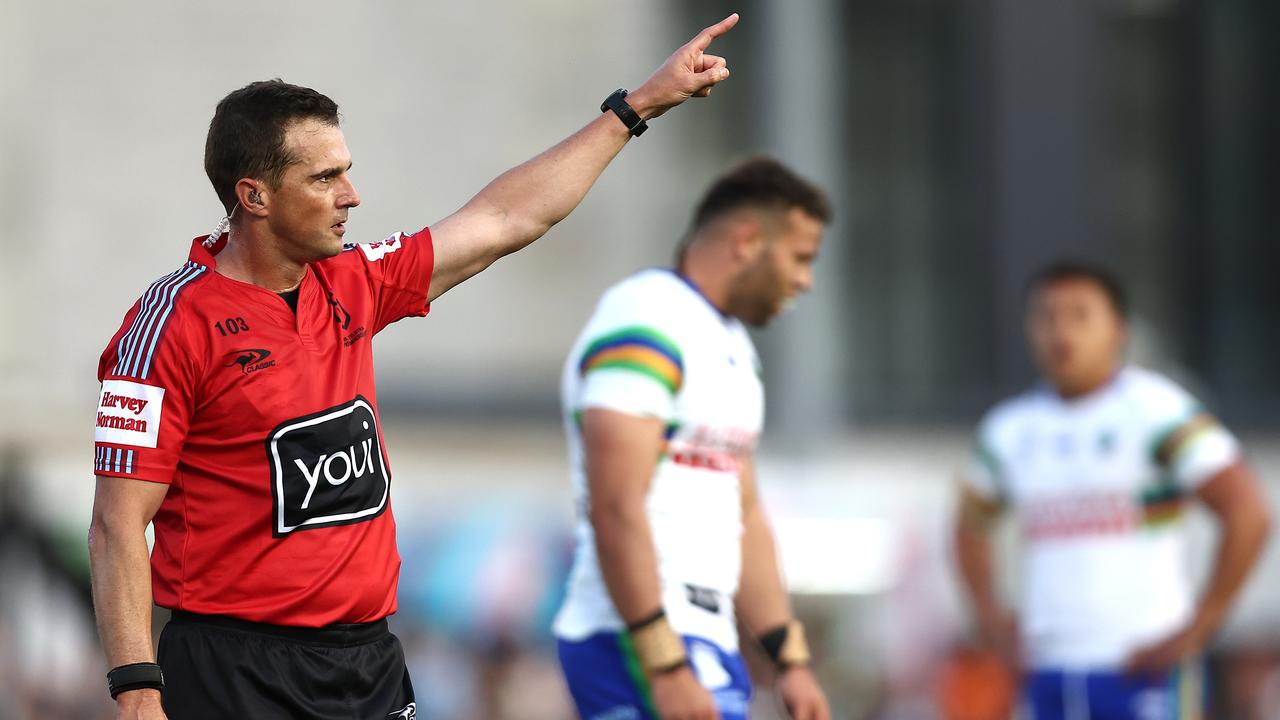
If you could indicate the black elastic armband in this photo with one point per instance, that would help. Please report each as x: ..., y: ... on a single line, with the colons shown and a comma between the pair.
x: 617, y: 102
x: 772, y: 642
x: 135, y: 676
x: 785, y: 645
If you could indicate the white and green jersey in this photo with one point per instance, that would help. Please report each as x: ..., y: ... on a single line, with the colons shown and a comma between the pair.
x: 1097, y: 486
x: 655, y: 347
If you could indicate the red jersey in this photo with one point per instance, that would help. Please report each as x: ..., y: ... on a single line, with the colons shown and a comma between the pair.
x: 264, y: 424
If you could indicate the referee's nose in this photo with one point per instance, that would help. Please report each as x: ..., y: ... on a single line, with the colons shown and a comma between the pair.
x: 348, y: 198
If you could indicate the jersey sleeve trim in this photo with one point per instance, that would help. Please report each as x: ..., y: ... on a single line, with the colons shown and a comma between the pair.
x: 137, y: 347
x: 116, y: 461
x: 983, y: 473
x: 988, y: 459
x: 638, y: 349
x: 1170, y: 443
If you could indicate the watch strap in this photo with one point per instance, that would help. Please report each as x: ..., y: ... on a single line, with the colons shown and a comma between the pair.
x: 135, y: 676
x: 617, y: 102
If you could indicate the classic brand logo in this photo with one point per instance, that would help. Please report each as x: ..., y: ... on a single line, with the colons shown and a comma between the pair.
x: 327, y: 469
x: 129, y: 413
x: 250, y: 360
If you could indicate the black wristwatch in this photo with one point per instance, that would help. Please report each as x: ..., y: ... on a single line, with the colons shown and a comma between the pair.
x: 135, y: 676
x: 617, y: 102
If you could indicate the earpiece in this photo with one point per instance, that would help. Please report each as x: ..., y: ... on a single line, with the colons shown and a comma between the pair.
x: 254, y: 197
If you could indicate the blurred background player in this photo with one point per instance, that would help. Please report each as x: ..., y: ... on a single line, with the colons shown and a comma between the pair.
x: 238, y: 381
x: 663, y: 406
x: 1097, y: 465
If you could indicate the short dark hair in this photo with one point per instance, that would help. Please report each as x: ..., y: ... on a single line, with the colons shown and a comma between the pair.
x: 761, y: 182
x: 1065, y: 270
x: 246, y: 135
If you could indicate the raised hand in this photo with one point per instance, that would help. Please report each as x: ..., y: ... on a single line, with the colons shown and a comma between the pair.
x: 690, y: 72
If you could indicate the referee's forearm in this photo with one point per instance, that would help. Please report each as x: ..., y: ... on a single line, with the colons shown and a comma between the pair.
x: 120, y: 568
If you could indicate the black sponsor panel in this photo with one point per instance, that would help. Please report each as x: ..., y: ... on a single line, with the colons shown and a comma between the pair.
x: 327, y: 469
x: 705, y: 598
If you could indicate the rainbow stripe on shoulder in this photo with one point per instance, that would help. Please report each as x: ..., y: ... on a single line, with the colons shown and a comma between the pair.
x: 637, y: 349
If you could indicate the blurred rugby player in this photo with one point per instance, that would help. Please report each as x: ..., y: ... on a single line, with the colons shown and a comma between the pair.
x: 663, y: 406
x: 1097, y: 466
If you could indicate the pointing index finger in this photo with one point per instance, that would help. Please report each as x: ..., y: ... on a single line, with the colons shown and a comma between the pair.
x: 703, y: 39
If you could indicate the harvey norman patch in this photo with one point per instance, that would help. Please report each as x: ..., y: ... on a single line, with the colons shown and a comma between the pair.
x: 129, y: 413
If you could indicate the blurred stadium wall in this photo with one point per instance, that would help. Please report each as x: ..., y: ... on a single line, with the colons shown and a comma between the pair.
x: 965, y: 141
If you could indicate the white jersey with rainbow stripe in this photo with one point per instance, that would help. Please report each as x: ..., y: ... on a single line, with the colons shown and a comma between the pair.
x: 656, y: 347
x: 1097, y: 486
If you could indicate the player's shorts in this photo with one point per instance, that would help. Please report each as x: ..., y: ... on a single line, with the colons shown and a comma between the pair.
x: 606, y: 681
x: 1057, y: 695
x: 219, y: 668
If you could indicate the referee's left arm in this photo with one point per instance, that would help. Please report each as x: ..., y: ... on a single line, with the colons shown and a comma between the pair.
x: 120, y: 566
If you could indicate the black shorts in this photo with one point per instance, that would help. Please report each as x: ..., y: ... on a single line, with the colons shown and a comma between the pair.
x: 221, y: 668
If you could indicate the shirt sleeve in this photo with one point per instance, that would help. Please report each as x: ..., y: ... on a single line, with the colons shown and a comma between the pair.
x: 399, y: 269
x: 983, y: 470
x: 1189, y: 444
x: 634, y: 369
x: 148, y: 374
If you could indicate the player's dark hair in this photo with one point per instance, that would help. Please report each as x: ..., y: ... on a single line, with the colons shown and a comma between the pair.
x: 761, y: 182
x: 1066, y: 270
x: 246, y: 135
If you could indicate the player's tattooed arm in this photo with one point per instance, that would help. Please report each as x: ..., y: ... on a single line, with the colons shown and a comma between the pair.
x: 1236, y: 501
x: 120, y: 567
x: 522, y: 204
x: 974, y: 523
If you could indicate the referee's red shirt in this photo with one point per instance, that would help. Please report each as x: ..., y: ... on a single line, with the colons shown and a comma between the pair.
x: 264, y: 424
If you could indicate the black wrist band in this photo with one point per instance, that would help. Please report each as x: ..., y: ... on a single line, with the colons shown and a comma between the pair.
x: 647, y: 620
x: 617, y: 102
x: 785, y: 645
x: 772, y: 642
x: 135, y: 676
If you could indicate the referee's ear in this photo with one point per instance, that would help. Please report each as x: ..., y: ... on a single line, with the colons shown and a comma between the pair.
x: 252, y: 197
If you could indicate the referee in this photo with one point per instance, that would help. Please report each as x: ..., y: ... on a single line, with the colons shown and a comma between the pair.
x: 238, y: 412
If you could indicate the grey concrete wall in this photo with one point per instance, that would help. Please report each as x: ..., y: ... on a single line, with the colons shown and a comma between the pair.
x: 103, y: 112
